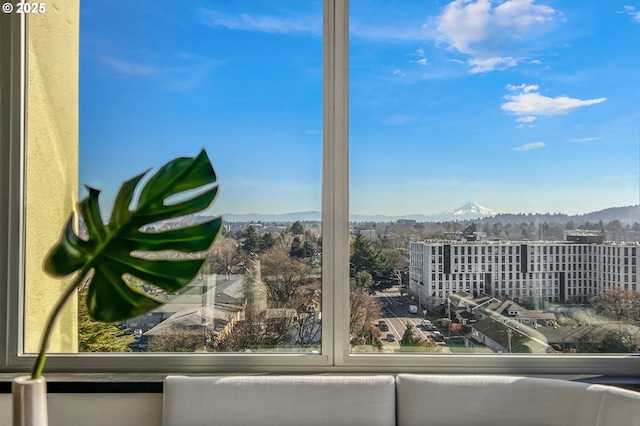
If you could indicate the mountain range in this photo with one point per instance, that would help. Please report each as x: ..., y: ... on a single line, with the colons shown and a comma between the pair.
x: 470, y: 211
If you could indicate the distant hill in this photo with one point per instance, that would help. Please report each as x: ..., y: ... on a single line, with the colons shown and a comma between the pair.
x: 469, y: 211
x: 626, y: 215
x: 310, y: 216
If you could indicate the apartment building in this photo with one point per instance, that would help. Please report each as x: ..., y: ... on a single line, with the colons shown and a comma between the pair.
x: 529, y: 272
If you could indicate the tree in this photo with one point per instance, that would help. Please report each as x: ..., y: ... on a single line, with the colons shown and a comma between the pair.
x: 362, y: 279
x: 96, y: 336
x: 297, y: 228
x: 252, y: 334
x: 469, y: 230
x: 251, y: 243
x: 282, y: 276
x: 267, y: 242
x: 610, y: 338
x: 409, y: 340
x: 365, y: 257
x: 301, y: 249
x: 222, y: 255
x: 614, y: 225
x: 178, y: 340
x: 617, y: 304
x: 364, y: 310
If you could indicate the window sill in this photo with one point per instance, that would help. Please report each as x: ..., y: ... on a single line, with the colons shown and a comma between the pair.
x: 153, y: 382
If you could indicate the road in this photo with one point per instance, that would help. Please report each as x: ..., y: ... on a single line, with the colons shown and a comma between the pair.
x: 397, y: 315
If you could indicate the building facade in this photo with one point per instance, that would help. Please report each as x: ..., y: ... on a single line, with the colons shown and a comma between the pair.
x: 529, y: 272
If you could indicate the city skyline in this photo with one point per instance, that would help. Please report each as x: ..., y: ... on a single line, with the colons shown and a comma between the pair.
x: 521, y: 106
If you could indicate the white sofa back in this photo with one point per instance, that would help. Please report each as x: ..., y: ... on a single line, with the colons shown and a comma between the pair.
x: 498, y: 400
x: 406, y: 400
x: 280, y: 400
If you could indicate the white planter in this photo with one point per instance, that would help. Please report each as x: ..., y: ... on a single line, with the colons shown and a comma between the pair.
x: 29, y: 401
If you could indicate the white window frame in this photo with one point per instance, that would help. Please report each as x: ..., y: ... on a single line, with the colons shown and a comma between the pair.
x: 336, y: 356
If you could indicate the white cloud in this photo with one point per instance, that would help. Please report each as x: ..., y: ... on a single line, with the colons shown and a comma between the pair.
x: 399, y: 73
x: 529, y: 146
x: 484, y: 65
x: 527, y: 101
x: 423, y: 58
x: 263, y: 23
x: 633, y: 13
x: 526, y: 119
x: 490, y: 32
x: 128, y: 68
x: 583, y: 140
x: 184, y: 78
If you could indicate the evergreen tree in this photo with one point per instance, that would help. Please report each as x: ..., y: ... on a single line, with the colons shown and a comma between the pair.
x: 97, y: 336
x: 365, y: 257
x: 251, y: 243
x: 297, y: 228
x: 362, y: 279
x: 267, y: 242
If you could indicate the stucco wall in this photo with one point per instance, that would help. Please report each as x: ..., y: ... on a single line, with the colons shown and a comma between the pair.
x: 52, y: 162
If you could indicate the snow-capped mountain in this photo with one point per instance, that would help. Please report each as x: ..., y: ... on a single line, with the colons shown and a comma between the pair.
x: 470, y: 210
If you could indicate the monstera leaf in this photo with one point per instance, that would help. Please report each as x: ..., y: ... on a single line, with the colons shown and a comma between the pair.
x: 114, y: 250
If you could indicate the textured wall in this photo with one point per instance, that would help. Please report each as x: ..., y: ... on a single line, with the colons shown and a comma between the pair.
x: 52, y: 161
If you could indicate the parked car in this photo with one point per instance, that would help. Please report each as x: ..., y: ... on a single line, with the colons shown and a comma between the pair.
x: 438, y: 337
x: 413, y: 309
x: 391, y: 337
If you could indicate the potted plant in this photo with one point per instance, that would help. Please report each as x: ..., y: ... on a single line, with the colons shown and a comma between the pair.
x: 181, y: 187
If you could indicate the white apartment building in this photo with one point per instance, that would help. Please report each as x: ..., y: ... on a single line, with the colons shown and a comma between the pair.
x: 528, y: 272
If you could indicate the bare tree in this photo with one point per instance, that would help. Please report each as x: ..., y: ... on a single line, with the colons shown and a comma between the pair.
x: 364, y: 311
x: 223, y: 255
x: 283, y: 276
x: 620, y: 305
x: 178, y: 340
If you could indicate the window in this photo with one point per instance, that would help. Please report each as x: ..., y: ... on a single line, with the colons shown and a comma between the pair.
x: 392, y: 96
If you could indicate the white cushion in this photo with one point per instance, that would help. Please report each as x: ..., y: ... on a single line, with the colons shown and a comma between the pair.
x: 499, y: 400
x: 279, y: 400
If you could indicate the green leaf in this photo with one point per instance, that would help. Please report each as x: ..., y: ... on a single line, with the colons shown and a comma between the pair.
x: 113, y: 250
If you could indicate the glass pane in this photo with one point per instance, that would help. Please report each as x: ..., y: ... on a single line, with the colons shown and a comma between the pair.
x: 494, y: 177
x: 243, y: 80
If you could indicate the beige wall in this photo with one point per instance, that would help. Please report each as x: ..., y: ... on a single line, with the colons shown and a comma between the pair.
x: 52, y: 162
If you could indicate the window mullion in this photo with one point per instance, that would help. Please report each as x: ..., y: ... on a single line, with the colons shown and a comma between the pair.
x: 336, y: 178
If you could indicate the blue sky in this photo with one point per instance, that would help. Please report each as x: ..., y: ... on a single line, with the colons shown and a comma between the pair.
x: 519, y: 105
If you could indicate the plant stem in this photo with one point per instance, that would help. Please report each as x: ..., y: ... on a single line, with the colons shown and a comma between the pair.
x: 51, y: 321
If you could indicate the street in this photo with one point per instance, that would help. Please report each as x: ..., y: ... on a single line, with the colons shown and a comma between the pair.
x: 396, y: 313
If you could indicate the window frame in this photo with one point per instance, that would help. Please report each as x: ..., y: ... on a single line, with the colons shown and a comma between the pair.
x: 335, y: 356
